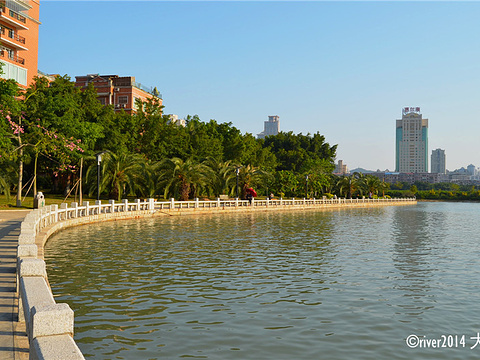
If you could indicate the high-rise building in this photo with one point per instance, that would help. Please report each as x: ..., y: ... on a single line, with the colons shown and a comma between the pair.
x: 471, y: 170
x: 411, y: 142
x: 438, y: 164
x: 120, y: 91
x: 270, y: 127
x: 19, y: 39
x: 340, y: 168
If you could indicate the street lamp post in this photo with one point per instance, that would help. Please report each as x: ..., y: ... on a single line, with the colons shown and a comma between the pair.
x: 99, y: 160
x: 306, y: 186
x: 237, y: 171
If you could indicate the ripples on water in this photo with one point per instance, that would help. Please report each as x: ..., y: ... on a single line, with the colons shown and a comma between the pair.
x: 347, y: 284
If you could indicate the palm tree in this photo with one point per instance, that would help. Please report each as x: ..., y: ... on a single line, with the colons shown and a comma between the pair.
x: 347, y: 185
x: 384, y: 186
x: 148, y: 183
x: 371, y: 184
x: 120, y: 174
x: 183, y: 178
x: 249, y: 176
x: 222, y: 177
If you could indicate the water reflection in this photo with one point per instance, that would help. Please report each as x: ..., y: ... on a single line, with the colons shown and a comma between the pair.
x: 238, y: 276
x: 412, y: 257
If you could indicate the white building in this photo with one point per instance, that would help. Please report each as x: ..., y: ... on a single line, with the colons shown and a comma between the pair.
x: 411, y: 142
x: 173, y: 119
x: 270, y: 127
x: 340, y: 168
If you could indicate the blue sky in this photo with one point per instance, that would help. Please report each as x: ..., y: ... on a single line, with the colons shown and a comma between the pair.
x: 344, y: 69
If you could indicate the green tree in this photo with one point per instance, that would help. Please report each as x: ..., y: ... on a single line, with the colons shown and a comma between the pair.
x: 371, y: 184
x: 121, y: 175
x: 414, y: 189
x: 222, y: 177
x: 286, y: 183
x: 348, y: 185
x: 300, y: 153
x: 250, y: 176
x: 11, y: 129
x: 9, y: 107
x: 62, y: 107
x: 148, y: 125
x: 181, y: 178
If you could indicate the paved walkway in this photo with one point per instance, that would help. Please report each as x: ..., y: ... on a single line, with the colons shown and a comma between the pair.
x: 13, y: 340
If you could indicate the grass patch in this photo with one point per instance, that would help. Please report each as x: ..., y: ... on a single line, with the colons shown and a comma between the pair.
x: 50, y: 199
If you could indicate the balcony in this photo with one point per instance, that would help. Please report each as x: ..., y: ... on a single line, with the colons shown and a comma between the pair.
x: 147, y: 89
x: 15, y: 58
x: 13, y: 18
x: 11, y: 38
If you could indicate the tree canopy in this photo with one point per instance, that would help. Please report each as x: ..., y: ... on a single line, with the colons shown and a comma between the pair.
x: 50, y: 126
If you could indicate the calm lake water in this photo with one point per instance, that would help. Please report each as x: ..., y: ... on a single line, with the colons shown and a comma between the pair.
x: 349, y: 284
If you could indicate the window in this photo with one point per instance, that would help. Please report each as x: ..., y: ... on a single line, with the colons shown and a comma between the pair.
x: 123, y: 99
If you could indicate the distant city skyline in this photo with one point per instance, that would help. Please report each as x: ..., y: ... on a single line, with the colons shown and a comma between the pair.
x: 344, y: 69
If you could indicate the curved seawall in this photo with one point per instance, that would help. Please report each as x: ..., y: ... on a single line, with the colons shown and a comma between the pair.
x: 50, y: 325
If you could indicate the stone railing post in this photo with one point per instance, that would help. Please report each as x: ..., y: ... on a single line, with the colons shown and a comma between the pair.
x: 87, y: 207
x: 27, y: 237
x: 112, y: 206
x: 99, y: 204
x: 55, y: 212
x: 75, y: 206
x: 236, y: 202
x: 151, y: 204
x: 137, y: 204
x: 172, y: 203
x: 218, y: 202
x: 28, y: 267
x: 125, y: 205
x: 64, y: 206
x: 197, y: 204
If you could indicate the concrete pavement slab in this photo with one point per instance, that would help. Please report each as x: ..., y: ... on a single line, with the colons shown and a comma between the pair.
x: 13, y: 339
